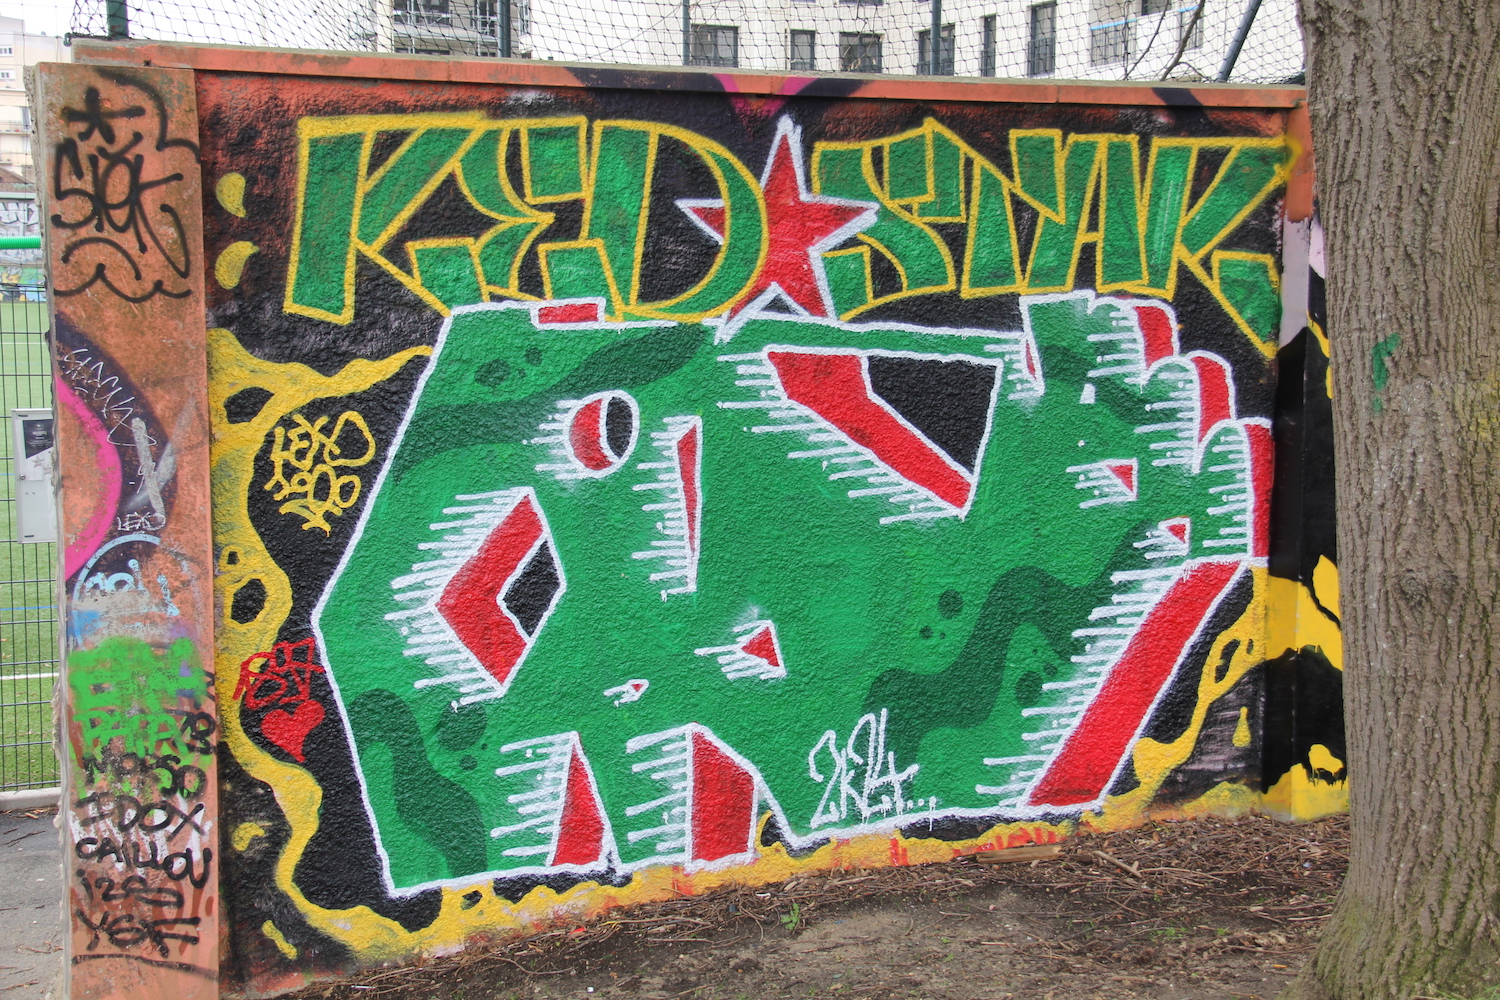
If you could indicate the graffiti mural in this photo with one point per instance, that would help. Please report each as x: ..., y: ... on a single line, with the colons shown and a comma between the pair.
x: 616, y: 496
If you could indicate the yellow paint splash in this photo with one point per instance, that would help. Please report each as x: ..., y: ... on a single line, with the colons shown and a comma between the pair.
x: 1296, y: 621
x: 1302, y: 797
x: 231, y: 193
x: 243, y: 556
x: 231, y: 263
x: 1326, y: 585
x: 245, y: 833
x: 284, y: 946
x: 1242, y: 729
x: 1322, y: 339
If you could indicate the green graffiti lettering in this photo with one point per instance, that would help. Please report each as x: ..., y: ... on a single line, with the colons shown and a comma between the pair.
x: 741, y: 254
x: 907, y: 175
x: 619, y: 197
x: 1038, y: 174
x: 1083, y: 189
x: 947, y: 201
x: 1122, y: 255
x: 554, y: 161
x: 482, y: 176
x: 992, y: 261
x: 406, y: 179
x: 129, y: 689
x: 1249, y: 174
x: 919, y: 255
x: 322, y: 265
x: 1166, y: 201
x: 1054, y: 257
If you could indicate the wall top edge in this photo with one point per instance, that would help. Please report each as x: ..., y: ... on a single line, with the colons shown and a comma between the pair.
x: 524, y: 72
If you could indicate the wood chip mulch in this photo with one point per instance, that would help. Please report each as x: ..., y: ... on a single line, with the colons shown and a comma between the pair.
x: 1254, y: 884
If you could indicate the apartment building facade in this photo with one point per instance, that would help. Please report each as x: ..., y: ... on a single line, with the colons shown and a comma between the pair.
x: 1061, y: 39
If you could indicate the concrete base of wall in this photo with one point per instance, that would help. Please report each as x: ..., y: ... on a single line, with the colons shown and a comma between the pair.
x: 29, y: 798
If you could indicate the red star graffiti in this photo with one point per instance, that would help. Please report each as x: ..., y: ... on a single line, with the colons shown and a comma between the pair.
x: 800, y: 227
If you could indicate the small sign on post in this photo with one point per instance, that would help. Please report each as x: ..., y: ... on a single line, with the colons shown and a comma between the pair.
x: 32, y: 440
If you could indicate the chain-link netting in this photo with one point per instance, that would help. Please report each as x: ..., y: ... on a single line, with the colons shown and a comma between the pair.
x: 1247, y: 41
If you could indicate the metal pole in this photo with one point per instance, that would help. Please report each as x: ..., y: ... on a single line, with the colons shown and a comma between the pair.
x: 1233, y: 55
x: 687, y: 33
x: 502, y: 28
x: 117, y: 19
x: 935, y: 38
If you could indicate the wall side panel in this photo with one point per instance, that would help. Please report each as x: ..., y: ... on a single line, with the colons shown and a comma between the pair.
x: 138, y: 723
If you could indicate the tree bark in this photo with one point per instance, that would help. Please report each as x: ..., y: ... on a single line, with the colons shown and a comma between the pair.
x: 1405, y: 103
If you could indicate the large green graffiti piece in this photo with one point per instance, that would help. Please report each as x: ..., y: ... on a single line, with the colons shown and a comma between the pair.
x: 753, y: 574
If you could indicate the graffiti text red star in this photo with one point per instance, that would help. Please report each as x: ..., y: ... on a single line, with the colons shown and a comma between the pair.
x: 800, y: 227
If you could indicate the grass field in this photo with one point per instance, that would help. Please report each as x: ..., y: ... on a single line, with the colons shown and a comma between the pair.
x: 28, y: 594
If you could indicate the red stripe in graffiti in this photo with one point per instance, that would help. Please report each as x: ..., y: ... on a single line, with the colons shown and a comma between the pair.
x: 723, y: 802
x: 580, y: 828
x: 833, y: 386
x: 569, y: 312
x: 1262, y: 460
x: 586, y: 436
x: 1087, y: 761
x: 470, y: 604
x: 1215, y: 393
x: 688, y: 447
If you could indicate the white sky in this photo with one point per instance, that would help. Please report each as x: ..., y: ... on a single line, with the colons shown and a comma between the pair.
x: 50, y: 16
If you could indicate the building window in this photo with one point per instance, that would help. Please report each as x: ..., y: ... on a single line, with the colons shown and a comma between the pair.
x: 1186, y: 25
x: 859, y: 51
x: 1110, y: 43
x: 25, y: 116
x: 945, y: 52
x: 802, y: 55
x: 715, y: 45
x: 7, y: 50
x: 487, y: 18
x: 7, y: 74
x: 1041, y: 49
x: 1155, y: 6
x: 987, y: 46
x: 422, y: 13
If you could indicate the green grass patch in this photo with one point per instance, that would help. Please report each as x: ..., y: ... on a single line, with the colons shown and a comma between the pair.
x: 28, y: 572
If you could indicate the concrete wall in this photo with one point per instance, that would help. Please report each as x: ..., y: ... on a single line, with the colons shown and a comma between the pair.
x: 622, y: 485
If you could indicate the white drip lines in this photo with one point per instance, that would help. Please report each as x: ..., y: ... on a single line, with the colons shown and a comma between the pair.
x: 1181, y: 405
x: 1238, y: 496
x: 427, y: 635
x: 672, y: 767
x: 675, y: 548
x: 549, y: 758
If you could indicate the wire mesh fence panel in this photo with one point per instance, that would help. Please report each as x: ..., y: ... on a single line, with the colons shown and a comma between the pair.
x: 28, y: 570
x: 1188, y: 40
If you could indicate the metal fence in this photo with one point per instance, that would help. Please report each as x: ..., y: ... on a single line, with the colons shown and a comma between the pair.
x: 28, y: 570
x: 1246, y: 41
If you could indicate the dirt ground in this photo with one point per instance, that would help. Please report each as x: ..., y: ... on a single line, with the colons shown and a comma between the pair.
x: 1179, y: 911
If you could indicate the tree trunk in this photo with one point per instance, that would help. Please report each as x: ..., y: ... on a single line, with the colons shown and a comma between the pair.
x: 1405, y: 101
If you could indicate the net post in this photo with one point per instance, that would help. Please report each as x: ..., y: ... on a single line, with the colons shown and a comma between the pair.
x: 1240, y: 34
x: 117, y: 18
